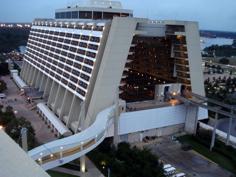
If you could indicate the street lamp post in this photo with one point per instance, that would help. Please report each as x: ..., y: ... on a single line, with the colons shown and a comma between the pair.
x: 108, y: 172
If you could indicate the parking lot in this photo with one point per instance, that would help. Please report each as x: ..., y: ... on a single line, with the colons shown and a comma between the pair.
x: 189, y: 162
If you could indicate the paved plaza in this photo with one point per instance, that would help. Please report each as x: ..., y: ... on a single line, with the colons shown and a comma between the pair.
x: 22, y: 109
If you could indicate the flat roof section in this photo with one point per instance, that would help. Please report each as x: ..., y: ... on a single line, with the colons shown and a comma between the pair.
x: 19, y: 82
x: 15, y: 162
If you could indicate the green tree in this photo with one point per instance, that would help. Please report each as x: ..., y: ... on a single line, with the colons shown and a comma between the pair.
x: 140, y: 163
x: 234, y: 43
x: 13, y: 129
x: 224, y: 61
x: 3, y: 86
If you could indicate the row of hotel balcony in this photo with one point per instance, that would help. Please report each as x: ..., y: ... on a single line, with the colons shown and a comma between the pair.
x: 72, y: 25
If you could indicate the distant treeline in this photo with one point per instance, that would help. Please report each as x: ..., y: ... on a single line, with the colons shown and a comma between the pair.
x: 222, y: 51
x: 12, y: 38
x: 214, y: 34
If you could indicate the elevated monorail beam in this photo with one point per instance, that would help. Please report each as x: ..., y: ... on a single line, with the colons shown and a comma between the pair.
x: 217, y: 110
x: 213, y: 101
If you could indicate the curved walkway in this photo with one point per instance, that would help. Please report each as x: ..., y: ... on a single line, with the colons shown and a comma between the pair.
x: 64, y: 150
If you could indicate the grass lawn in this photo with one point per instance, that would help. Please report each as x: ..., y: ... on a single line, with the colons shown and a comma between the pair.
x: 58, y: 174
x: 216, y: 157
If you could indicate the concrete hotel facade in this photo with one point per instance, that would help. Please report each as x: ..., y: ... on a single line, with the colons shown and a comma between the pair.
x: 82, y: 59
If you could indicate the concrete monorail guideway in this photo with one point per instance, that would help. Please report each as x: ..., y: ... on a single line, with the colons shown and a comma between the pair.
x: 200, y: 101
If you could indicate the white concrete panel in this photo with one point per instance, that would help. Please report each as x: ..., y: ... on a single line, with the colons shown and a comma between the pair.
x: 154, y: 118
x: 195, y: 58
x: 112, y: 65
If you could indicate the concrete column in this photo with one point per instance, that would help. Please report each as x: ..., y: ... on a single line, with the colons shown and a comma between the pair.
x: 32, y: 78
x: 116, y: 138
x: 58, y: 100
x: 66, y: 104
x: 191, y: 119
x: 23, y: 69
x: 82, y: 165
x: 39, y: 79
x: 74, y: 111
x: 29, y: 74
x: 43, y: 83
x: 53, y: 94
x: 47, y: 87
x: 214, y: 132
x: 26, y: 73
x: 82, y: 116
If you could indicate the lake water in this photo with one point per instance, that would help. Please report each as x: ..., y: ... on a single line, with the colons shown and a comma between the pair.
x: 206, y: 42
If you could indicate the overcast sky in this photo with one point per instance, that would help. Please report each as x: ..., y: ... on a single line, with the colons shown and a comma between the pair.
x: 211, y: 14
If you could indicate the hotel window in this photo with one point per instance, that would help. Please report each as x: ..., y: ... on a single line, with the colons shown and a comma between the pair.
x: 76, y: 36
x: 85, y: 77
x: 82, y: 44
x: 86, y: 69
x: 75, y: 80
x: 97, y: 15
x: 66, y: 75
x: 82, y: 52
x: 68, y: 14
x: 69, y: 62
x: 91, y: 54
x: 74, y: 43
x: 60, y: 40
x: 60, y: 65
x: 67, y: 41
x: 67, y: 68
x: 58, y: 77
x: 108, y: 15
x: 95, y: 39
x: 57, y: 15
x: 72, y: 49
x: 71, y: 56
x: 64, y: 53
x: 62, y: 34
x: 63, y: 15
x: 84, y: 37
x: 69, y: 35
x: 81, y: 92
x: 75, y: 14
x: 64, y: 81
x: 93, y: 47
x: 75, y: 72
x: 82, y: 84
x: 73, y: 87
x: 85, y: 14
x: 77, y: 65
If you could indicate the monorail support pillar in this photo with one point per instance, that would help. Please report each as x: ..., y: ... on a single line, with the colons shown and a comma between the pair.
x: 83, y: 165
x: 191, y: 119
x: 116, y: 138
x: 214, y: 132
x: 230, y: 126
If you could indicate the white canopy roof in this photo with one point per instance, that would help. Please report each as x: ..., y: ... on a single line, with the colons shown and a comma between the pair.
x: 19, y: 82
x: 61, y: 128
